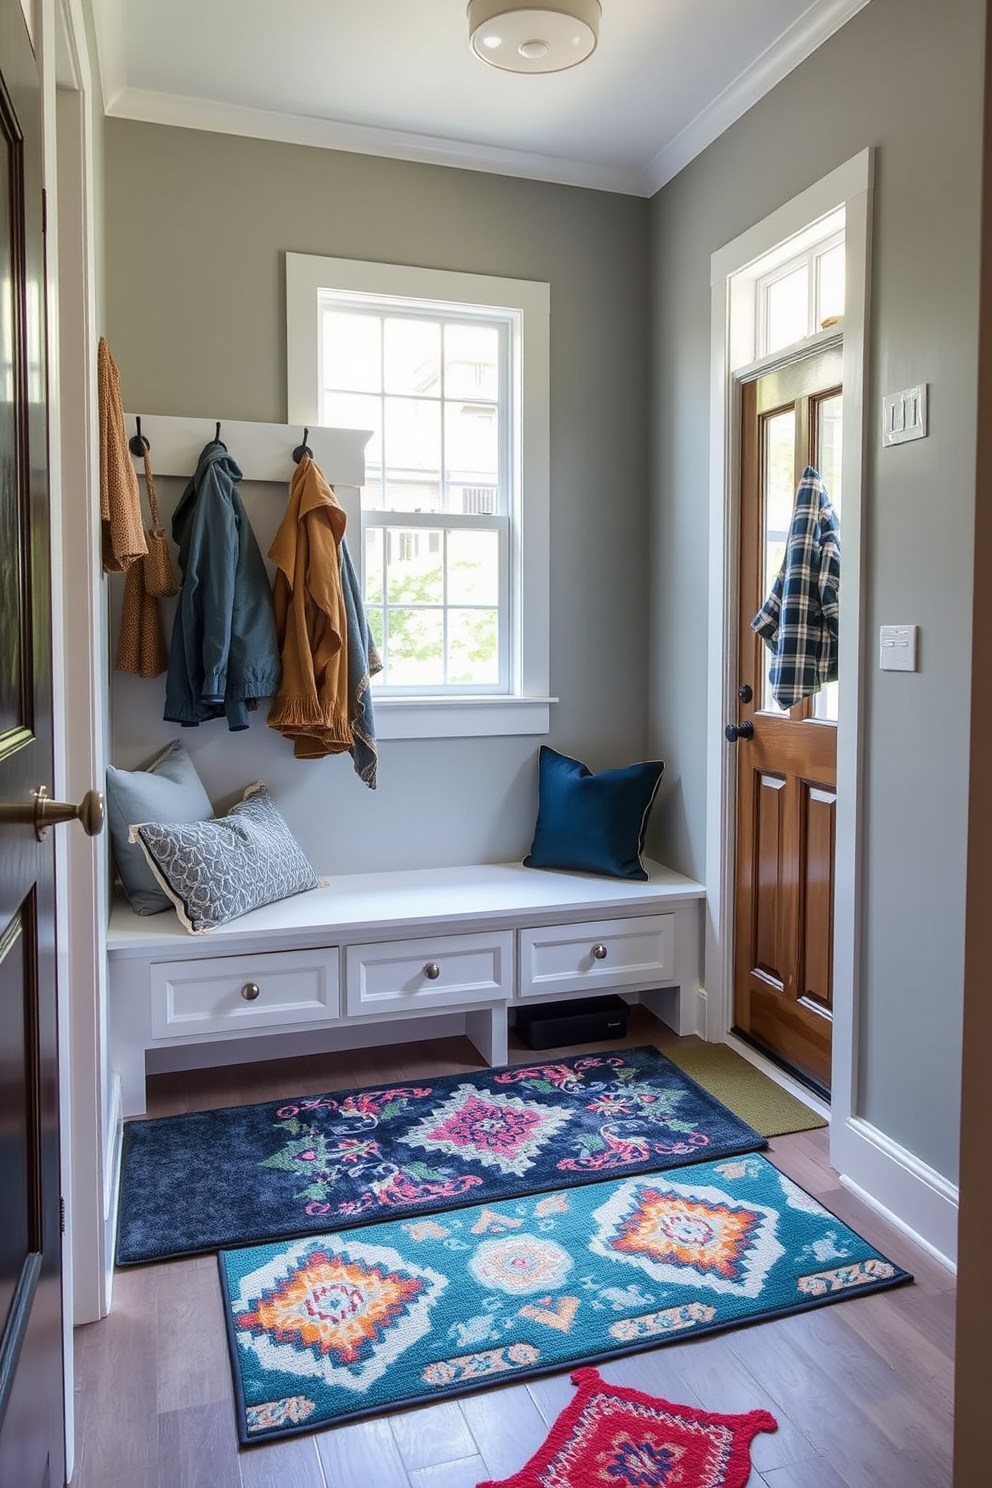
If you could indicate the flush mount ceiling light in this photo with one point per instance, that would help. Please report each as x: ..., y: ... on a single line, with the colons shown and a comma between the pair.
x: 544, y: 37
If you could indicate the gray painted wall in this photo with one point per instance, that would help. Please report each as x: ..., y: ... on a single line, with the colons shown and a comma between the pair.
x: 904, y: 76
x: 196, y: 227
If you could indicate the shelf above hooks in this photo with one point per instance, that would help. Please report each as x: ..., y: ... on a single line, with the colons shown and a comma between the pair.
x: 264, y: 452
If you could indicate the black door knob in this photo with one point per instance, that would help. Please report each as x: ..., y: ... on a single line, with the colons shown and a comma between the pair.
x: 735, y: 731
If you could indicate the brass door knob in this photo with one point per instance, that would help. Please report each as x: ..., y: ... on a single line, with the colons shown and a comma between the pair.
x: 250, y: 991
x: 42, y: 812
x: 432, y: 971
x: 599, y: 952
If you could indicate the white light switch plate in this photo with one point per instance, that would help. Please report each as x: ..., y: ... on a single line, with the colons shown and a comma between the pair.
x: 904, y: 415
x: 897, y: 648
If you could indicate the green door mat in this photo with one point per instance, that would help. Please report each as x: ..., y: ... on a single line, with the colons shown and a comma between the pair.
x: 757, y: 1100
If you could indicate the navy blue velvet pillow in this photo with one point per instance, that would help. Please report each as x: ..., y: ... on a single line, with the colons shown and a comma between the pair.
x: 592, y: 823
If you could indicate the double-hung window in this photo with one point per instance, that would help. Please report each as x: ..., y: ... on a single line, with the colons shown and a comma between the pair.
x: 448, y: 373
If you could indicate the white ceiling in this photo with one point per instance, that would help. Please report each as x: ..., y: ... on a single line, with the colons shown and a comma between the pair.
x: 397, y: 78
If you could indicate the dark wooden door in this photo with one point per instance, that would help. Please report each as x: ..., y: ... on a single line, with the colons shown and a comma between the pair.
x: 787, y: 771
x: 32, y: 1452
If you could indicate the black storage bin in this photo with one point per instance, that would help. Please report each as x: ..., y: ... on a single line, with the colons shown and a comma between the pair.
x: 583, y: 1020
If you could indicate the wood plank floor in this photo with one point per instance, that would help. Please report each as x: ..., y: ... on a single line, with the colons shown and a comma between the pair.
x: 862, y: 1391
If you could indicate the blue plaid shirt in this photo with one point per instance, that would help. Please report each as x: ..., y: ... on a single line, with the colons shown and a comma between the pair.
x: 798, y: 620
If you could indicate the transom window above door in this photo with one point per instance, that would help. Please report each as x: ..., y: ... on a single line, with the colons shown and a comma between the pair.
x: 795, y: 291
x: 803, y: 296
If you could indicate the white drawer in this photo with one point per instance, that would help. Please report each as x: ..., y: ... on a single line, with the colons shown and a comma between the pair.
x: 597, y: 954
x: 437, y: 972
x: 219, y: 994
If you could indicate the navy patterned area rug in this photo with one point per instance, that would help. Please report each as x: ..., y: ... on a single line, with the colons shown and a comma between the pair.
x: 328, y: 1328
x: 301, y: 1166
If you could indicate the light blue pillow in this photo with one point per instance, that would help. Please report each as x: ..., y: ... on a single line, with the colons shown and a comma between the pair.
x: 169, y: 789
x: 592, y: 823
x: 215, y: 871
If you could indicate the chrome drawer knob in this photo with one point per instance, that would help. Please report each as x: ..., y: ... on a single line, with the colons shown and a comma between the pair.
x: 250, y: 991
x: 432, y: 971
x: 599, y: 952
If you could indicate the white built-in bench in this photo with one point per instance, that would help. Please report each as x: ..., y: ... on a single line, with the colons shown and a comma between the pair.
x: 364, y: 960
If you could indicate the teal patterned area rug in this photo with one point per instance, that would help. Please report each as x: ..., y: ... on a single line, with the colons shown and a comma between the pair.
x: 335, y: 1326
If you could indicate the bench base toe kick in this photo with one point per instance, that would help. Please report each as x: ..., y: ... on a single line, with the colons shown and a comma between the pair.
x: 316, y: 986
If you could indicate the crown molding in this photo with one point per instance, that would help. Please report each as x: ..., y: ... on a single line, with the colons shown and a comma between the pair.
x: 802, y: 39
x: 820, y: 21
x: 108, y: 20
x: 329, y: 134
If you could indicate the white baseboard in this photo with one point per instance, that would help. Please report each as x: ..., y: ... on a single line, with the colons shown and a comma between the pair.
x: 904, y: 1190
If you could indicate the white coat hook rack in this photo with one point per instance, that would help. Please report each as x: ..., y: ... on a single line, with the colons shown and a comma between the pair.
x: 264, y: 452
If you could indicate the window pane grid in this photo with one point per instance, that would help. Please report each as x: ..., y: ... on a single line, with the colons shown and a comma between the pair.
x: 438, y: 593
x: 435, y: 389
x: 405, y: 443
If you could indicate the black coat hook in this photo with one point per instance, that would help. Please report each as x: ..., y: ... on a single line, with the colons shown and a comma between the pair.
x: 137, y: 444
x: 217, y: 439
x: 303, y: 449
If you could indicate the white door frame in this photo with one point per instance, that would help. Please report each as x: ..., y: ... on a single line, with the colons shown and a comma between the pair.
x: 848, y: 186
x: 79, y: 659
x: 915, y: 1197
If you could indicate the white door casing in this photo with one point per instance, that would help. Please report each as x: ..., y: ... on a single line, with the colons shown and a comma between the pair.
x: 896, y: 1182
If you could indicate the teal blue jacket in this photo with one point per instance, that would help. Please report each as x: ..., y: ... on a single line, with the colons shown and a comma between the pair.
x: 224, y: 651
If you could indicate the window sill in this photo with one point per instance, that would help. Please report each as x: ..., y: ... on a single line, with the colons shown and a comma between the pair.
x: 460, y: 717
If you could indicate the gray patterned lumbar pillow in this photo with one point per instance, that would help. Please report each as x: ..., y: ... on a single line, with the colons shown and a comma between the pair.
x: 214, y: 871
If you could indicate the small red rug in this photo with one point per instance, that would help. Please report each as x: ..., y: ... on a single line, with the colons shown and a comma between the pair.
x: 614, y: 1437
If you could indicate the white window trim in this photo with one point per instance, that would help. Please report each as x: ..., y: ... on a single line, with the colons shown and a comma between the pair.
x: 526, y: 709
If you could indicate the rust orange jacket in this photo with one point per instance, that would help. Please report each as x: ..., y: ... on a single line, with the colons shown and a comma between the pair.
x: 312, y: 704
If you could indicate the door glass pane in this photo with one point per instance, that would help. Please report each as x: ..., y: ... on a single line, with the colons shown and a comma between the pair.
x: 830, y: 284
x: 787, y: 309
x: 829, y: 439
x: 778, y: 499
x: 825, y: 702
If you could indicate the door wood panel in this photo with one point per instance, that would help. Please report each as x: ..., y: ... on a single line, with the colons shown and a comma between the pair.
x: 786, y: 771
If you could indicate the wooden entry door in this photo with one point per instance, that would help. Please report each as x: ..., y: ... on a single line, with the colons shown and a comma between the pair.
x: 787, y: 768
x: 32, y: 1450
